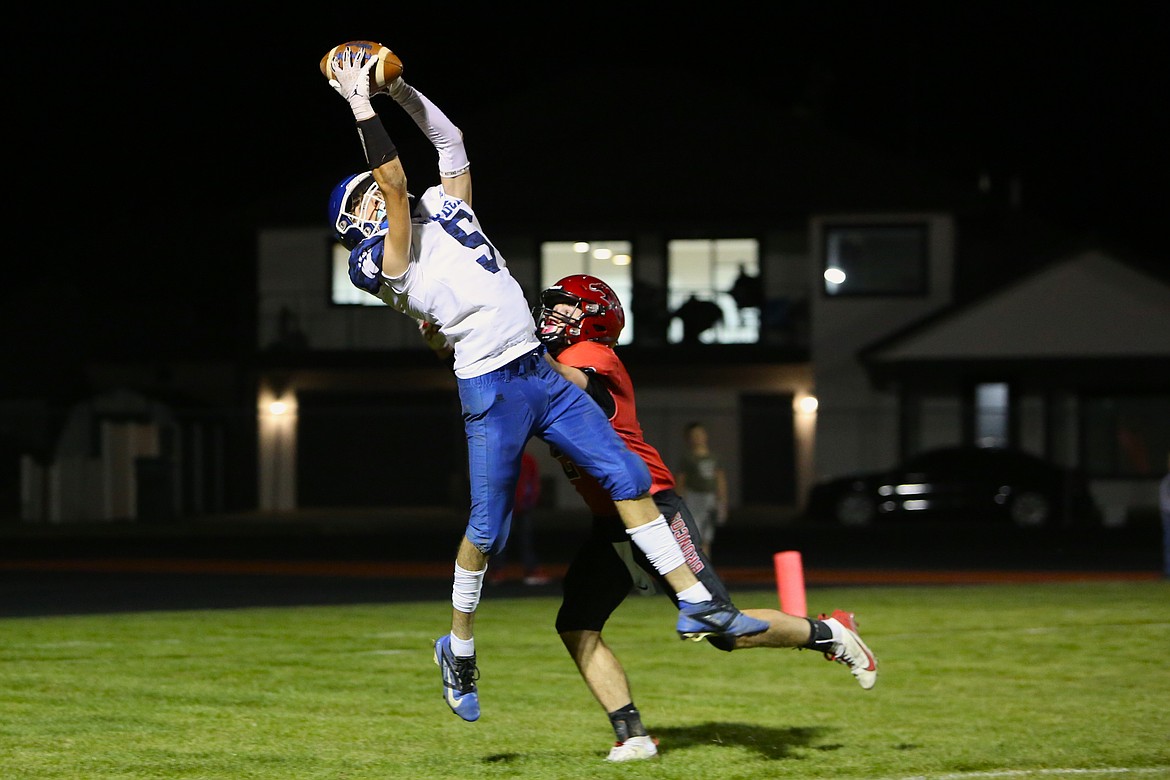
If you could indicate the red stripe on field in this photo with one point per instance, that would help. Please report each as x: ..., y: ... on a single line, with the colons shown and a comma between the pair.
x: 937, y: 576
x: 431, y: 570
x: 201, y: 566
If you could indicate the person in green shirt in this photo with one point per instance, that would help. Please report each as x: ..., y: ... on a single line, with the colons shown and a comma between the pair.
x: 702, y: 480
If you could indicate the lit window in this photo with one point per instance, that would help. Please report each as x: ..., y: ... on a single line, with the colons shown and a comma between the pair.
x: 991, y: 414
x: 609, y: 261
x: 342, y: 289
x: 715, y: 291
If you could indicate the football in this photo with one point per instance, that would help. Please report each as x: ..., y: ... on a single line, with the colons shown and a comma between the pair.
x: 389, y: 67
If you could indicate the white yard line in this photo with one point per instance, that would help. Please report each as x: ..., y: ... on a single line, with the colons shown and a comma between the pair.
x: 1163, y: 771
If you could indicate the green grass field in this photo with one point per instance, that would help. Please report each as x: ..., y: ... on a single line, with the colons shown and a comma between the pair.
x: 976, y: 682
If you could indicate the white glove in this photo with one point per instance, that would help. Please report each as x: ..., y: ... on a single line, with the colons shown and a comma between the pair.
x: 434, y: 339
x: 351, y: 79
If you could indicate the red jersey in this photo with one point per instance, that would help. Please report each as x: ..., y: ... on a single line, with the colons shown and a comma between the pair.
x: 604, y: 363
x: 528, y: 486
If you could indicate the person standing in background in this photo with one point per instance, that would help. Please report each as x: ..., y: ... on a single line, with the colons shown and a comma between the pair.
x: 702, y: 480
x: 527, y: 498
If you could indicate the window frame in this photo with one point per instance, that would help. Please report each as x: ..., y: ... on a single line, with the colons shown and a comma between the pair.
x: 669, y: 289
x: 920, y: 227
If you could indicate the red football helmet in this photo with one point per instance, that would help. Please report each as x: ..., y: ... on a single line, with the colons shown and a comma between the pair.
x: 599, y: 316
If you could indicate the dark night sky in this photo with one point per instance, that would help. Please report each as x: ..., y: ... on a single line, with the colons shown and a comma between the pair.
x: 185, y: 138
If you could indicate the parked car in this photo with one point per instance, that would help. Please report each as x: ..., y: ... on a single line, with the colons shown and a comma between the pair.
x: 994, y: 484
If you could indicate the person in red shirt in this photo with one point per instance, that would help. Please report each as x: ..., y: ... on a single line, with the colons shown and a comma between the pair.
x: 580, y: 319
x: 527, y: 497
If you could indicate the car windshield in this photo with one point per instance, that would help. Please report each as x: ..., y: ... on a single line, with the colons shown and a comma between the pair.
x: 969, y: 458
x: 936, y: 459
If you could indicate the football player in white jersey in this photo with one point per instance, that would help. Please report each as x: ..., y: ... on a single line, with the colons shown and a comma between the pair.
x: 433, y: 262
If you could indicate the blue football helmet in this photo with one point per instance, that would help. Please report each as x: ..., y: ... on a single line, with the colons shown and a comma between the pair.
x: 356, y: 209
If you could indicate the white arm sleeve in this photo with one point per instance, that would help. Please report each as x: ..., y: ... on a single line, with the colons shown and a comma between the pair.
x: 446, y: 137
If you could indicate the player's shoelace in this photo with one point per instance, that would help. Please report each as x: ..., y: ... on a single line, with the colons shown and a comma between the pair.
x: 861, y: 666
x: 713, y: 614
x: 843, y: 656
x: 709, y: 617
x: 465, y: 674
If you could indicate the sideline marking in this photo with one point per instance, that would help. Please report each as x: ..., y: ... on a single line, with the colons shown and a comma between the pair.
x: 1067, y: 772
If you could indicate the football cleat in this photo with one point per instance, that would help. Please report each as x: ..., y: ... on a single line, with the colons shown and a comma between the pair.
x: 459, y: 676
x: 848, y: 649
x: 633, y: 749
x: 720, y: 618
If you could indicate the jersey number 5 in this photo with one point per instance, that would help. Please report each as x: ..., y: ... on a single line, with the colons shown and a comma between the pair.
x: 472, y: 241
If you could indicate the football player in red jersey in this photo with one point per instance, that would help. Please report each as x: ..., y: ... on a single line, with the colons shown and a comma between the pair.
x: 580, y: 319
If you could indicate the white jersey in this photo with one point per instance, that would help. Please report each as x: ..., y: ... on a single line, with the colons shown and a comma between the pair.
x: 457, y: 280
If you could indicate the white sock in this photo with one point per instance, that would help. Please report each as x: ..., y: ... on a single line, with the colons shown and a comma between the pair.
x: 695, y: 594
x: 462, y: 647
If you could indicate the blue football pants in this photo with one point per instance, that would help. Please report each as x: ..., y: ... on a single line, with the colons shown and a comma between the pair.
x: 505, y: 408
